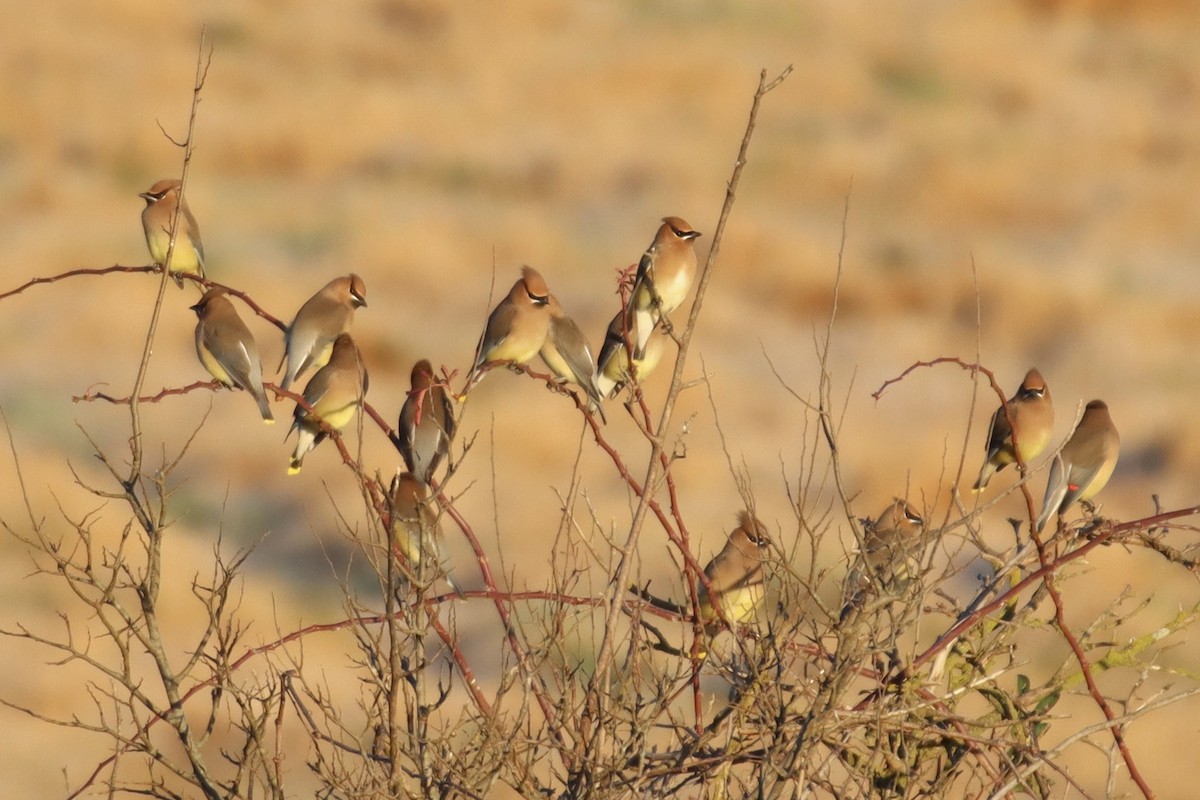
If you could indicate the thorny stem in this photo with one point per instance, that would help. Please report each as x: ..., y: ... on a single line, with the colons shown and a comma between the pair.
x: 597, y: 685
x: 1046, y: 574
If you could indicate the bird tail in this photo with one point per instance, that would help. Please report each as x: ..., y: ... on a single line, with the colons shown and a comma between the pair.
x: 305, y: 441
x: 985, y: 475
x: 592, y: 388
x: 1056, y: 492
x: 264, y: 406
x: 644, y: 322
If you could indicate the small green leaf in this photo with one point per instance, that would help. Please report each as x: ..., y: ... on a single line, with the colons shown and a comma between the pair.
x: 1047, y: 702
x: 1022, y: 683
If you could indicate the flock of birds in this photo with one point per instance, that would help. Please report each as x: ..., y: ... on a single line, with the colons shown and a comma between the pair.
x: 530, y: 321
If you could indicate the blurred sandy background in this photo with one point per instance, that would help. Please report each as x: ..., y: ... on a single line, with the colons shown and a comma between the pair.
x: 1054, y: 146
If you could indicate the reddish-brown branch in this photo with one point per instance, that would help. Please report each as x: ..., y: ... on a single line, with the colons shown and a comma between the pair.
x: 1085, y: 664
x: 967, y: 365
x: 75, y: 273
x: 979, y: 614
x: 510, y: 634
x: 90, y: 396
x: 1045, y: 574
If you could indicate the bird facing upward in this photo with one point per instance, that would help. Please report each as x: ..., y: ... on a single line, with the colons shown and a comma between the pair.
x: 227, y: 349
x: 664, y: 277
x: 426, y: 423
x: 1031, y: 416
x: 1084, y: 465
x: 161, y: 201
x: 324, y: 316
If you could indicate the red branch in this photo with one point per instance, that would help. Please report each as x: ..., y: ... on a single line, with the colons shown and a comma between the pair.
x: 76, y: 272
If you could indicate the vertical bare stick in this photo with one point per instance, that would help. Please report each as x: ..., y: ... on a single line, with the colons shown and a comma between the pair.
x: 597, y: 685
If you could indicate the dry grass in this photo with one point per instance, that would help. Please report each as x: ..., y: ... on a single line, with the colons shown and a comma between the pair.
x: 422, y: 144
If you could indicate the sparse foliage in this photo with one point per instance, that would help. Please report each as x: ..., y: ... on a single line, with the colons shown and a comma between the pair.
x: 918, y: 687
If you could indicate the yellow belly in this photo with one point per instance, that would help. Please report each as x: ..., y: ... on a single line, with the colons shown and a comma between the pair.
x: 184, y: 259
x: 214, y: 367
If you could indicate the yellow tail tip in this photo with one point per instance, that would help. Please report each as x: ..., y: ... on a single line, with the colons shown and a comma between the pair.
x: 293, y: 469
x: 268, y: 422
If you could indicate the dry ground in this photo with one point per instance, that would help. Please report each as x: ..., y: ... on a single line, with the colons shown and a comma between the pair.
x: 1037, y: 162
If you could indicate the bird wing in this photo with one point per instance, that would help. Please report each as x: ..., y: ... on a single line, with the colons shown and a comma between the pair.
x: 499, y: 326
x: 1056, y: 490
x: 229, y: 350
x: 1001, y: 431
x: 1079, y: 478
x: 645, y: 270
x: 575, y: 351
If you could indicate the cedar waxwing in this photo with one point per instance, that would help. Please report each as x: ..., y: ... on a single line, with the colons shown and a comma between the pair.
x: 227, y: 349
x: 664, y: 277
x: 322, y: 318
x: 1031, y: 412
x: 188, y: 256
x: 736, y: 575
x: 613, y: 367
x: 416, y: 531
x: 889, y: 545
x: 1084, y: 465
x: 517, y: 327
x: 334, y: 393
x: 568, y: 355
x: 426, y: 423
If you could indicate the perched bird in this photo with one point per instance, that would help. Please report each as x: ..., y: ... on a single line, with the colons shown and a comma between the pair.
x: 321, y: 319
x: 1031, y: 414
x: 736, y: 575
x: 161, y: 201
x: 612, y: 369
x: 1085, y: 463
x: 568, y: 355
x: 517, y: 327
x: 426, y: 423
x: 334, y: 394
x: 416, y: 532
x: 888, y: 554
x: 227, y: 350
x: 664, y: 277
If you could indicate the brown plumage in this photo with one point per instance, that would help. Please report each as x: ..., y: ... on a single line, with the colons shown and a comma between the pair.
x: 612, y: 368
x: 1084, y: 465
x: 664, y: 277
x: 888, y: 557
x: 227, y: 349
x: 1031, y: 413
x: 517, y: 327
x: 736, y: 575
x: 426, y: 424
x: 416, y: 532
x: 325, y: 315
x: 334, y: 394
x: 161, y: 201
x: 569, y: 356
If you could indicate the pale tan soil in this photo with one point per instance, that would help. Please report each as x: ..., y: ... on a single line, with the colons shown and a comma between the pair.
x: 1040, y: 159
